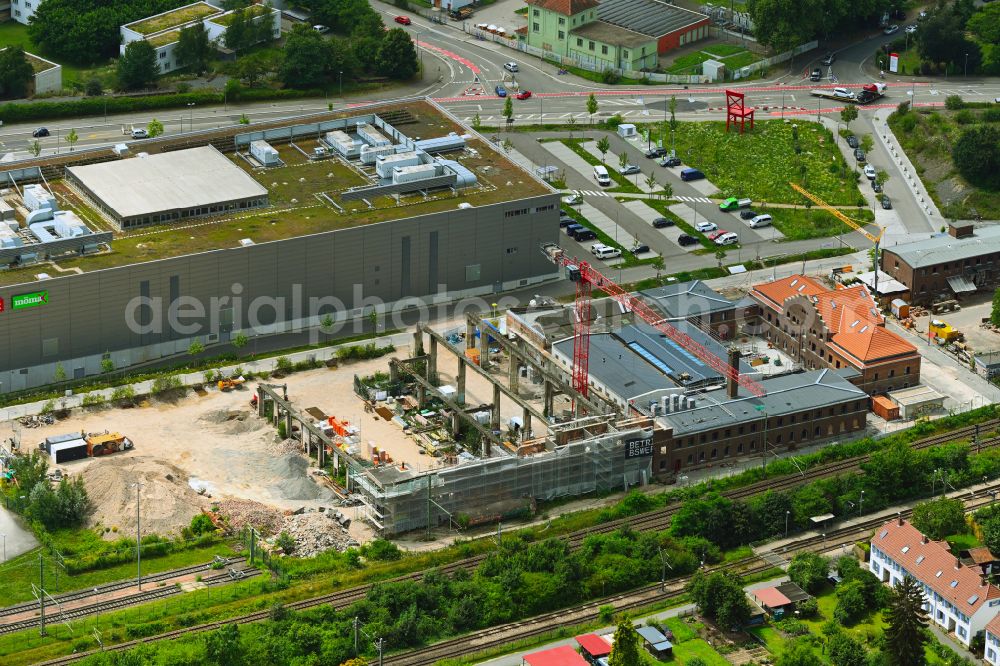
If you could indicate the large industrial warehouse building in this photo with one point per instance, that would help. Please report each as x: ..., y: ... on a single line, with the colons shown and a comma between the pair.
x: 152, y: 189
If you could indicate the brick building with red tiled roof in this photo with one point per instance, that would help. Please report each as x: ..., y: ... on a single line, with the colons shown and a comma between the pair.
x: 836, y: 328
x: 957, y: 598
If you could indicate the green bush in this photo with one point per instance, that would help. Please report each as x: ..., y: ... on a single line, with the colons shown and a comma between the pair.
x: 123, y: 394
x: 382, y: 550
x: 953, y: 102
x: 94, y: 399
x: 202, y: 524
x: 284, y: 364
x: 165, y: 383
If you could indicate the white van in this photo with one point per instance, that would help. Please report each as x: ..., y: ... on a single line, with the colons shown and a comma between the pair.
x: 760, y: 221
x: 606, y: 252
x: 602, y: 175
x: 727, y: 239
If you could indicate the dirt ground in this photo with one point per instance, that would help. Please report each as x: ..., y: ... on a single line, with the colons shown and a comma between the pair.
x: 967, y: 320
x: 209, y: 445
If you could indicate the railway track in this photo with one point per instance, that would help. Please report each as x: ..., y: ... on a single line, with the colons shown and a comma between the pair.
x: 112, y: 587
x: 659, y: 519
x: 56, y: 615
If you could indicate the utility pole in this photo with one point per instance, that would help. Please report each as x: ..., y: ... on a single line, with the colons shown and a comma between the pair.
x: 138, y: 537
x: 357, y: 626
x: 379, y: 644
x: 41, y: 595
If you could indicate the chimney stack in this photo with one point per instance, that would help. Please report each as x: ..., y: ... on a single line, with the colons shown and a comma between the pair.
x: 732, y: 388
x: 982, y: 580
x: 899, y: 518
x: 958, y: 563
x: 924, y: 539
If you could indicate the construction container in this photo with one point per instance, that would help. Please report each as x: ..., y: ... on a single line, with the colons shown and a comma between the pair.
x: 472, y: 354
x: 264, y: 153
x: 885, y: 408
x: 938, y: 328
x: 900, y: 308
x: 384, y: 164
x: 75, y: 449
x: 47, y: 443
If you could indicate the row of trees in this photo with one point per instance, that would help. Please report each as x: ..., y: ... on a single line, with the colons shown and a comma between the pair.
x: 893, y: 474
x: 784, y: 24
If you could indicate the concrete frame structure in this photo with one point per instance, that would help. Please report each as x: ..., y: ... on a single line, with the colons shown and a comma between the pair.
x: 957, y: 598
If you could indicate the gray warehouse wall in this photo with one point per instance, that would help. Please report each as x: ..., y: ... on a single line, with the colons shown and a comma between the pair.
x: 470, y: 251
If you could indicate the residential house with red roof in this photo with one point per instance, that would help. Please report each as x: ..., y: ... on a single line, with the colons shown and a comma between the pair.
x: 836, y: 328
x: 991, y: 651
x: 957, y: 597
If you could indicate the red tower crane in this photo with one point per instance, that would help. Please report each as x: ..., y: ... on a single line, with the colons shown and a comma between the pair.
x: 587, y: 278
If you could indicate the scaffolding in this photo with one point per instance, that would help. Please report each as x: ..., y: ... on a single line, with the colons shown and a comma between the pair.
x: 397, y: 501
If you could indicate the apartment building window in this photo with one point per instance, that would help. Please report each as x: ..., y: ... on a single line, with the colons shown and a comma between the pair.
x: 604, y: 49
x: 579, y: 42
x: 907, y: 370
x: 590, y: 46
x: 715, y: 453
x: 625, y: 55
x: 163, y: 54
x: 535, y: 12
x: 562, y: 35
x: 534, y: 27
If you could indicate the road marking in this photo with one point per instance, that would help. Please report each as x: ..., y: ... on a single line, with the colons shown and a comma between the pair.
x: 591, y: 193
x: 693, y: 199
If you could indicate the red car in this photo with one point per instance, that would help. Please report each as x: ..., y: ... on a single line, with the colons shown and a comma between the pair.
x: 715, y: 234
x: 524, y: 94
x: 405, y: 20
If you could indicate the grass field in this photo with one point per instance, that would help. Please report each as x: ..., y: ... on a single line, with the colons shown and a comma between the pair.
x: 732, y: 55
x: 802, y: 223
x: 760, y: 163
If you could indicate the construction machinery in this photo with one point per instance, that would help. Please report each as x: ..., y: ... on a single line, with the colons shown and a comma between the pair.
x: 229, y: 383
x: 99, y: 444
x: 860, y: 228
x: 586, y: 279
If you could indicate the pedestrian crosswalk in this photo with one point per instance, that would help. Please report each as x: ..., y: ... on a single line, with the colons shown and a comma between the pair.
x: 693, y: 199
x: 591, y: 193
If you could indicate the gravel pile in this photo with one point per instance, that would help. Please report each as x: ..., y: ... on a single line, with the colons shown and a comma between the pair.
x: 243, y: 512
x: 284, y: 446
x: 293, y: 470
x: 316, y: 532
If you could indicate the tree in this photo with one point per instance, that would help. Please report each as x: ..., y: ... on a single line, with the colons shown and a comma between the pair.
x: 659, y: 265
x: 849, y: 114
x: 477, y: 122
x: 193, y: 48
x: 906, y: 621
x: 783, y: 24
x: 939, y: 518
x: 508, y: 109
x: 994, y: 317
x: 626, y: 645
x: 35, y: 148
x: 202, y: 524
x: 252, y: 67
x: 93, y: 87
x: 154, y: 128
x: 851, y: 603
x: 137, y: 68
x: 976, y: 154
x: 72, y: 138
x: 867, y: 142
x: 196, y: 347
x: 396, y: 56
x: 797, y: 653
x: 107, y: 365
x: 603, y: 146
x: 241, y: 32
x: 809, y: 571
x: 591, y: 107
x: 984, y: 25
x: 673, y: 122
x: 60, y: 373
x: 941, y: 39
x: 239, y: 341
x: 881, y: 177
x: 15, y: 72
x: 308, y: 58
x: 720, y: 595
x: 720, y: 256
x: 622, y: 161
x: 650, y: 182
x: 845, y: 651
x: 223, y: 646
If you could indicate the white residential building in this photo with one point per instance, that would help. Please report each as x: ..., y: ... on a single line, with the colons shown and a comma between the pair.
x: 991, y: 651
x: 162, y: 30
x: 22, y: 10
x: 957, y: 598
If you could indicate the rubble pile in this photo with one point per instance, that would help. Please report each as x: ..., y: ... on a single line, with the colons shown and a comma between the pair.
x: 283, y: 446
x: 243, y: 512
x: 318, y: 531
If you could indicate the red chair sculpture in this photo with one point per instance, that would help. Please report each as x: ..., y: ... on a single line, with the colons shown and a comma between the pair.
x: 736, y: 111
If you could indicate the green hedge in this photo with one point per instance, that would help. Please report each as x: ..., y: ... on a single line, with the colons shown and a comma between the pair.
x: 96, y: 106
x: 123, y: 551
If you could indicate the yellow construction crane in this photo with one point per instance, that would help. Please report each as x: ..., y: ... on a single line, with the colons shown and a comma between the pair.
x: 848, y: 221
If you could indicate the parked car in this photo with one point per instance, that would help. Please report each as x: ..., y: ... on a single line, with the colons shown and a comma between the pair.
x: 748, y: 214
x: 716, y: 234
x: 608, y: 253
x: 630, y: 169
x: 500, y: 91
x: 729, y: 204
x: 583, y: 234
x: 573, y: 200
x: 140, y: 133
x: 761, y: 221
x: 321, y: 29
x: 869, y: 172
x: 639, y: 249
x: 511, y: 66
x: 40, y: 132
x: 876, y: 187
x: 403, y: 20
x: 891, y: 29
x: 852, y: 141
x: 657, y: 152
x: 921, y: 16
x: 523, y: 94
x: 705, y: 226
x: 572, y: 228
x: 816, y: 75
x: 596, y: 247
x: 691, y: 174
x: 859, y: 155
x: 911, y: 29
x: 828, y: 59
x: 886, y: 203
x: 662, y: 223
x: 727, y: 238
x: 565, y: 222
x: 684, y: 240
x: 670, y: 162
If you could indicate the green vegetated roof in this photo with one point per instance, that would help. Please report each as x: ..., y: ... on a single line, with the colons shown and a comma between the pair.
x: 174, y: 18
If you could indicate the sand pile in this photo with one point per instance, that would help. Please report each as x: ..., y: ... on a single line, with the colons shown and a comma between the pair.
x: 233, y: 422
x: 166, y: 501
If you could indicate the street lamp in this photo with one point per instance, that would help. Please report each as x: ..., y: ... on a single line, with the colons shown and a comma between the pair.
x: 138, y: 537
x: 861, y: 503
x: 191, y: 116
x: 966, y: 65
x: 340, y: 83
x: 787, y: 514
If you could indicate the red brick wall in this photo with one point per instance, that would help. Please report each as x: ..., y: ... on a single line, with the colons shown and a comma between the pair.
x: 672, y: 40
